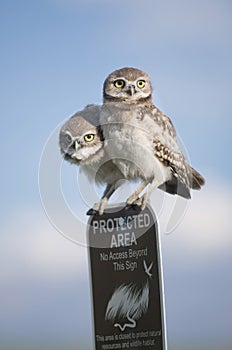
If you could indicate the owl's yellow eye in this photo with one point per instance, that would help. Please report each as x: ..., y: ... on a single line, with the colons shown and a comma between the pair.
x: 89, y: 137
x: 141, y: 84
x: 120, y: 83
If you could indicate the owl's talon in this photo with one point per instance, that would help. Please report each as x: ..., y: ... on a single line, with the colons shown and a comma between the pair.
x: 135, y: 207
x: 92, y: 212
x: 142, y: 202
x: 98, y: 208
x: 132, y: 201
x: 130, y: 205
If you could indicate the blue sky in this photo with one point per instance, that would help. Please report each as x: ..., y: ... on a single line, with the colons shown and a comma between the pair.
x: 55, y: 55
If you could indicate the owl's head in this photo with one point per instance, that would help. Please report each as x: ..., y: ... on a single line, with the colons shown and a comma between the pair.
x: 128, y: 85
x: 80, y: 137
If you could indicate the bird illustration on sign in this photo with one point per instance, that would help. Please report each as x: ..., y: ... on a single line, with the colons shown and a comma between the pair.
x: 129, y: 302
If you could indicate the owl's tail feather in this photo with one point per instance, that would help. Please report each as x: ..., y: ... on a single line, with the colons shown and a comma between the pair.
x: 197, y: 179
x: 175, y: 186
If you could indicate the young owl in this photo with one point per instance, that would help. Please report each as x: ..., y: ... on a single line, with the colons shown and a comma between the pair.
x: 143, y: 143
x: 81, y: 143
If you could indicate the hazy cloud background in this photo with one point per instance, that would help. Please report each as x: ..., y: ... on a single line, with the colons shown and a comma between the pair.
x: 55, y: 56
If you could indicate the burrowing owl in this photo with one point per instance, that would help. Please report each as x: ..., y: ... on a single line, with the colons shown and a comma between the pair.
x: 81, y: 143
x: 141, y: 140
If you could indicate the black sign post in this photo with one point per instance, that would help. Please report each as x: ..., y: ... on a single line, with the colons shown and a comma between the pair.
x: 126, y: 276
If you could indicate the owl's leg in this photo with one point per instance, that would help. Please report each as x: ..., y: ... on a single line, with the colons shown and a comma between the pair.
x: 110, y: 189
x: 134, y: 197
x: 142, y: 202
x: 100, y: 207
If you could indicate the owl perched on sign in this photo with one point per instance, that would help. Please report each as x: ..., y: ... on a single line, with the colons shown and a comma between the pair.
x: 128, y: 138
x: 81, y: 143
x: 141, y: 140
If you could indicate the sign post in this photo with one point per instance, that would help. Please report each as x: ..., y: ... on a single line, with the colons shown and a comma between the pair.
x: 126, y: 278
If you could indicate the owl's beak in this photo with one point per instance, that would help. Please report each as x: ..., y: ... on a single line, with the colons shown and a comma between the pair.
x: 131, y: 90
x: 76, y: 145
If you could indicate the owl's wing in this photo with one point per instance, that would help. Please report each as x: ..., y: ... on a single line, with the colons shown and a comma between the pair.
x: 184, y: 176
x: 180, y: 180
x: 163, y: 121
x: 167, y: 150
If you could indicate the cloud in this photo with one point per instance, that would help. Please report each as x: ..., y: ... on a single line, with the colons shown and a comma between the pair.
x: 204, y: 225
x: 30, y: 245
x: 205, y: 228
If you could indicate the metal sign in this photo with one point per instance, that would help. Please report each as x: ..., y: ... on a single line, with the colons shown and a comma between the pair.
x: 127, y: 291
